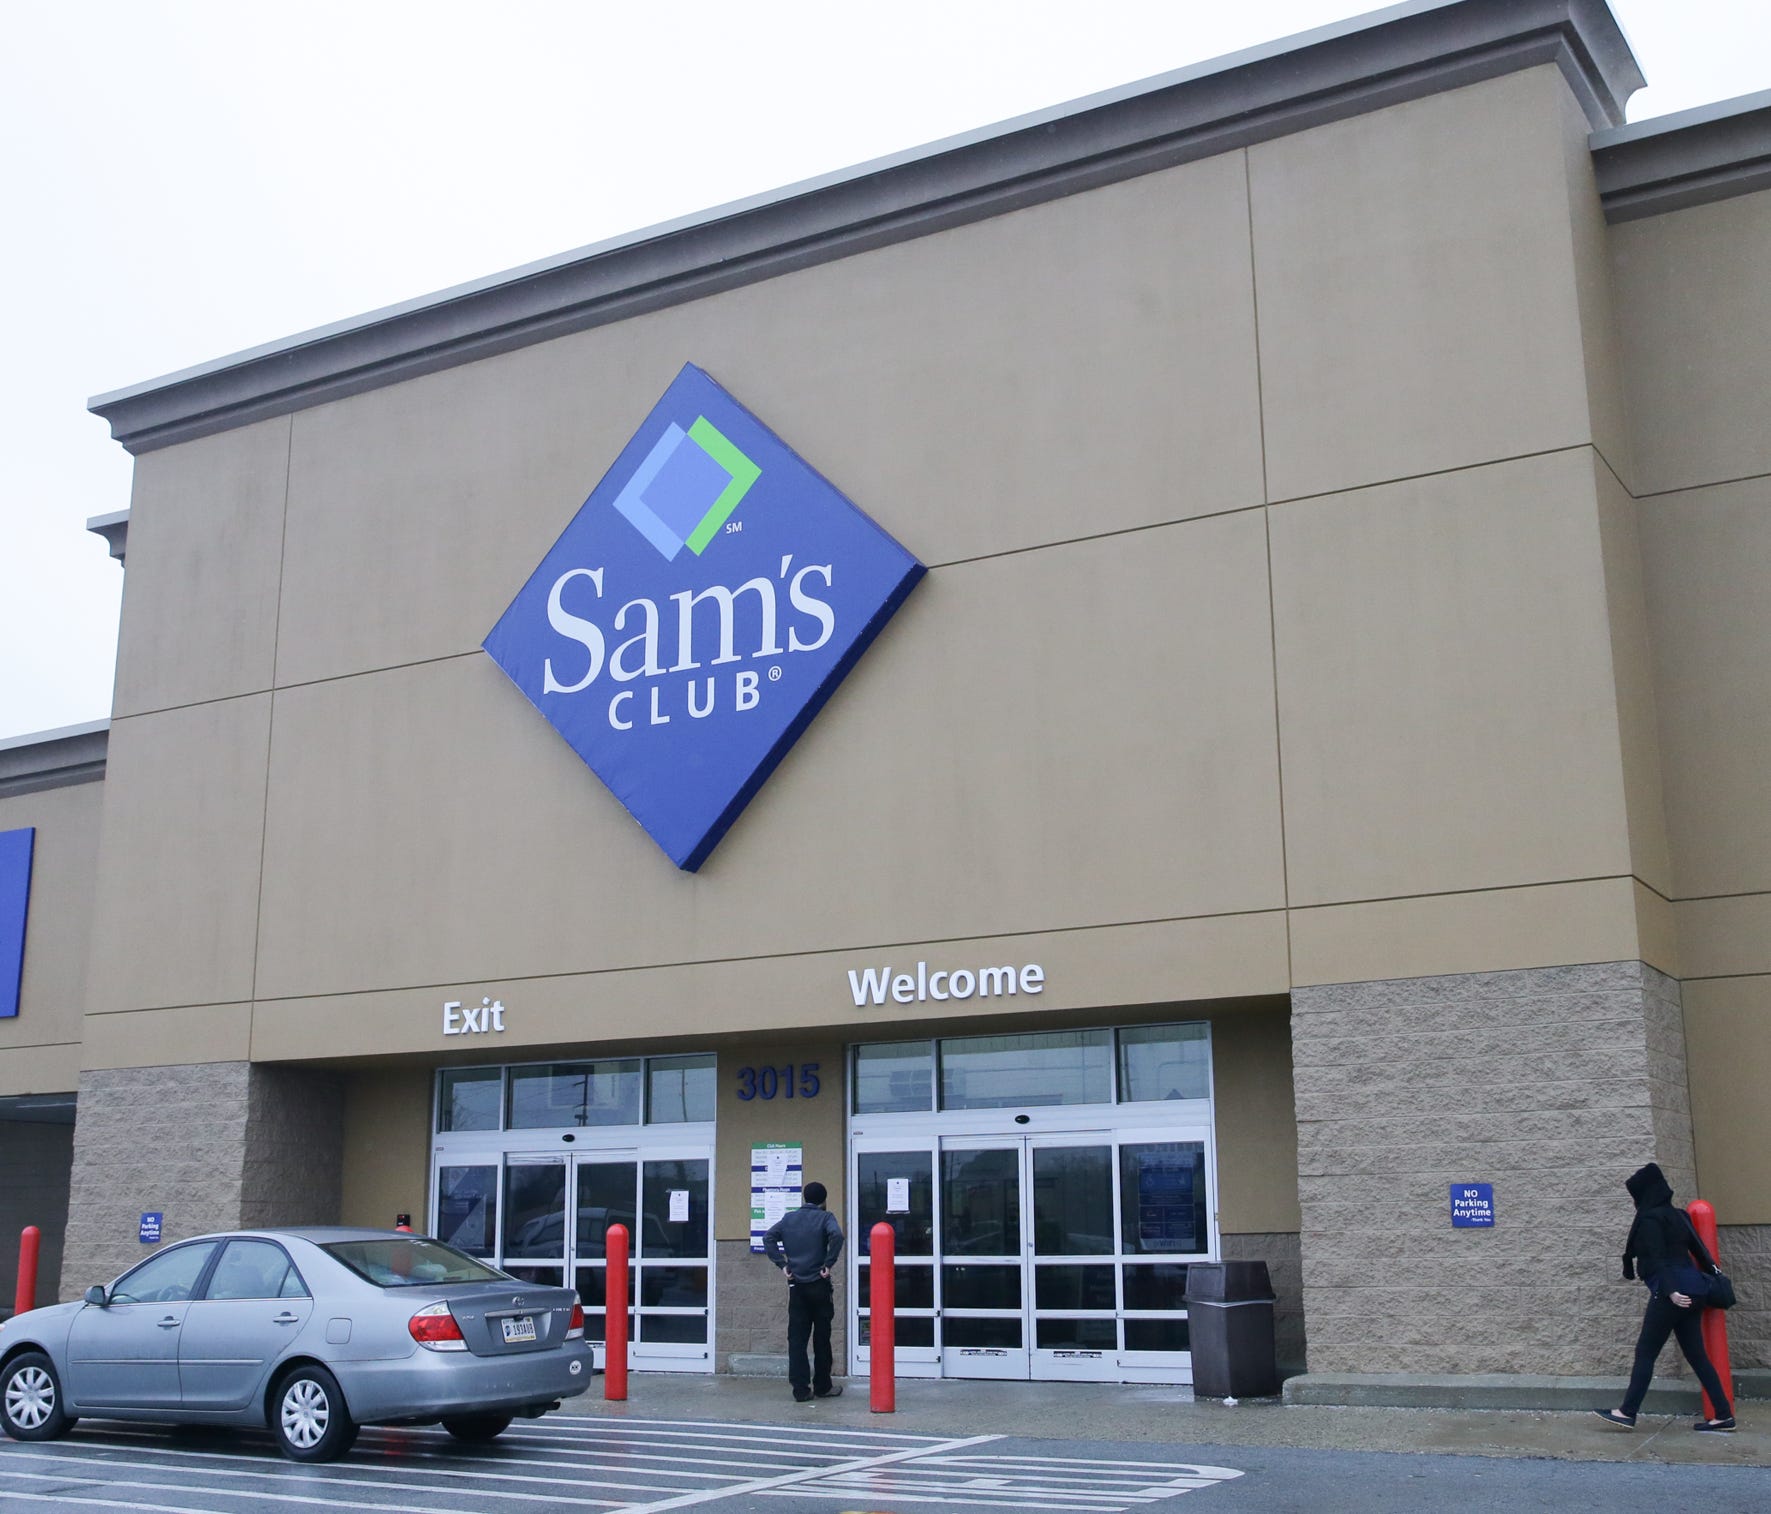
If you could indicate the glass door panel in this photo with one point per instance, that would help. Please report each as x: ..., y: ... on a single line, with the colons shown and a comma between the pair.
x: 535, y: 1219
x: 894, y: 1183
x: 607, y: 1194
x: 1075, y: 1304
x: 1165, y: 1217
x: 983, y: 1318
x: 674, y: 1261
x: 467, y: 1208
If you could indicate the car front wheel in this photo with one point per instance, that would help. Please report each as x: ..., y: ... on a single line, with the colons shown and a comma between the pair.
x: 475, y: 1428
x: 30, y: 1399
x: 309, y: 1418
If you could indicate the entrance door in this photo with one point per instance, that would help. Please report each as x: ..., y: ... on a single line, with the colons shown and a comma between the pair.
x: 1051, y: 1256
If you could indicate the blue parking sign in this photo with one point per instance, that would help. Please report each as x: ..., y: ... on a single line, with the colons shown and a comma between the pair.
x: 1472, y: 1206
x: 150, y: 1229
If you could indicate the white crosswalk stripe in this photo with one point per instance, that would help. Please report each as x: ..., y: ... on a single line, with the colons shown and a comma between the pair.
x: 573, y: 1465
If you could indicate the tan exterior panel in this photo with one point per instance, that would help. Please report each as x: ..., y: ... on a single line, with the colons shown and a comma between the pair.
x: 199, y: 615
x: 1226, y: 957
x: 1600, y: 344
x: 387, y: 1134
x: 1257, y: 1139
x: 1725, y: 938
x: 58, y: 935
x: 1632, y: 665
x: 1417, y: 291
x: 427, y: 826
x: 40, y: 1068
x: 1657, y: 931
x: 177, y: 911
x: 1707, y: 561
x: 1728, y: 1046
x: 1448, y: 708
x: 168, y: 1037
x: 1043, y: 406
x: 1557, y: 925
x: 1694, y: 308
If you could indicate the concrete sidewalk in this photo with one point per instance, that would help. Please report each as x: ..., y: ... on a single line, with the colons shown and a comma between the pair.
x: 1170, y: 1416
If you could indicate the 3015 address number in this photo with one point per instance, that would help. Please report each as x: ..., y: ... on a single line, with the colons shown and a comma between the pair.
x: 790, y: 1081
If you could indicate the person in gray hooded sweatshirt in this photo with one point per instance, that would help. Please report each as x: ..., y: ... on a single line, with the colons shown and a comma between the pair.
x: 805, y: 1243
x: 1675, y: 1265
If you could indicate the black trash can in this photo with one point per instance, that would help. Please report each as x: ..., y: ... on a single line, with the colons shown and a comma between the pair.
x: 1230, y: 1320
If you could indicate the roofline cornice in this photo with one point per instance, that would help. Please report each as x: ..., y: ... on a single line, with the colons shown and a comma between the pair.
x: 53, y: 759
x: 1712, y: 153
x: 1404, y: 53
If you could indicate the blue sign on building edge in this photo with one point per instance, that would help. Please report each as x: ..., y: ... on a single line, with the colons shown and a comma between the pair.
x: 15, y: 907
x: 697, y: 612
x: 150, y: 1228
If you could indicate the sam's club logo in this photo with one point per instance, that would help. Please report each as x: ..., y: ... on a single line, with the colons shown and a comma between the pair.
x: 697, y: 612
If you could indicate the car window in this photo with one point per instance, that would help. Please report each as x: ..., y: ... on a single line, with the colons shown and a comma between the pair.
x: 166, y: 1278
x: 253, y: 1269
x: 399, y: 1262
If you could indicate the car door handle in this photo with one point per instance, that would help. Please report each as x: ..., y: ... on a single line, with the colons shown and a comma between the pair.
x: 171, y: 1322
x: 286, y: 1318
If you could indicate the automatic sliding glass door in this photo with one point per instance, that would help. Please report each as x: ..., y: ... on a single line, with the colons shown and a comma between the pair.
x: 1053, y: 1256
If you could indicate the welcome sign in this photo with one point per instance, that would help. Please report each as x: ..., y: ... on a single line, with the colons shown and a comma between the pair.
x: 696, y: 614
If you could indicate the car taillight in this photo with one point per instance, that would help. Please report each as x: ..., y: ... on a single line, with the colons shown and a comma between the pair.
x: 575, y: 1329
x: 435, y: 1329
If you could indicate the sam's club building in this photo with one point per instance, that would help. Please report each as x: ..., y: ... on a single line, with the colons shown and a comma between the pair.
x: 1182, y: 678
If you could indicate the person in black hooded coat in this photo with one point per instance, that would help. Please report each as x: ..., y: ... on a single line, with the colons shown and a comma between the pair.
x: 1673, y: 1262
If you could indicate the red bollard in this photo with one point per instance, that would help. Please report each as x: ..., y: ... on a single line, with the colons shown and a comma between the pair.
x: 882, y: 1324
x: 1715, y: 1322
x: 29, y: 1240
x: 615, y: 1316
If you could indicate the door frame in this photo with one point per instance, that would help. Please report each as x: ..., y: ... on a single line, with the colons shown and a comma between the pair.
x: 638, y: 1144
x: 1112, y: 1125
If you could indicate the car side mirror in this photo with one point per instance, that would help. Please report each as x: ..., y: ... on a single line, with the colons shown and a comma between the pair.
x: 96, y: 1295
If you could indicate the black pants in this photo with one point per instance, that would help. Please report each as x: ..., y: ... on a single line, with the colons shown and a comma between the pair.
x: 1663, y: 1318
x: 810, y: 1308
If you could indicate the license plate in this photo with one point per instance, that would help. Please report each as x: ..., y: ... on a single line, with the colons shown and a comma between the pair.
x: 521, y: 1328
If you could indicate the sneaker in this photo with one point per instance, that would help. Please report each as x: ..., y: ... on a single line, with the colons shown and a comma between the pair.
x: 1715, y: 1426
x: 833, y: 1391
x: 1617, y: 1417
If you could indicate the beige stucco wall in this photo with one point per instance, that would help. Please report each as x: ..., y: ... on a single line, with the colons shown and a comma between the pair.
x: 1694, y: 311
x: 1254, y: 661
x: 40, y: 1046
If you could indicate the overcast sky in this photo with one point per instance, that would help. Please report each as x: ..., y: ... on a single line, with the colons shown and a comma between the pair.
x: 185, y: 180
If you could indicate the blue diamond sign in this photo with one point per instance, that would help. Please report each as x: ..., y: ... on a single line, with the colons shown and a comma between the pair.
x: 697, y: 612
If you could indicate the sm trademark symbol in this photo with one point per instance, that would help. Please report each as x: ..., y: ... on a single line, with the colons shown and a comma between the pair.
x: 733, y: 527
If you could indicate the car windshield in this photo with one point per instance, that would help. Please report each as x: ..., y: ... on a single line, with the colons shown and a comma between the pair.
x: 399, y: 1262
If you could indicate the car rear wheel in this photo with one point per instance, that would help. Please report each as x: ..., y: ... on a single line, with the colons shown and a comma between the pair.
x: 309, y: 1418
x: 475, y: 1428
x: 30, y: 1399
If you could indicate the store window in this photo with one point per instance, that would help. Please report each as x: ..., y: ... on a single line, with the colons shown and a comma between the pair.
x: 679, y: 1089
x: 470, y: 1098
x: 555, y: 1095
x: 1134, y: 1064
x: 1019, y: 1072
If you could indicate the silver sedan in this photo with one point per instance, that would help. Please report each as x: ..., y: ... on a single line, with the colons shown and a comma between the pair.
x: 310, y: 1332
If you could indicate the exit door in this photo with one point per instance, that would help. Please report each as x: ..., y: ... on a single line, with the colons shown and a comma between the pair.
x: 544, y: 1217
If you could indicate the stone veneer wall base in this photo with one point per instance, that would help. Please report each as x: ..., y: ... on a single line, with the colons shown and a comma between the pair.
x: 1552, y: 1084
x: 210, y: 1146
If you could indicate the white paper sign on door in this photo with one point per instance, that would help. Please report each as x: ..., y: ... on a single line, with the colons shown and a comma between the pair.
x: 897, y: 1195
x: 679, y: 1204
